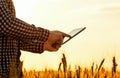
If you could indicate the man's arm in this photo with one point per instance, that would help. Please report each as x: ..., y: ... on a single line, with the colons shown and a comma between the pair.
x: 53, y: 43
x: 17, y: 29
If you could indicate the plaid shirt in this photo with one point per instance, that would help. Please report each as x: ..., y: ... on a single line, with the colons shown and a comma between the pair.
x: 16, y: 35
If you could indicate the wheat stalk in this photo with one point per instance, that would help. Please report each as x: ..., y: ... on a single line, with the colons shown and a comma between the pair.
x: 97, y: 74
x: 92, y: 69
x: 114, y: 66
x: 64, y: 61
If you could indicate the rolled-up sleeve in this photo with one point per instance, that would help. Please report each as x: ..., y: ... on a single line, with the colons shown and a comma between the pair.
x: 17, y: 29
x: 34, y: 48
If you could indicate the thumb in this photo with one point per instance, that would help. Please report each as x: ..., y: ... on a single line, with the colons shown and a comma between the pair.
x: 51, y: 48
x: 48, y: 46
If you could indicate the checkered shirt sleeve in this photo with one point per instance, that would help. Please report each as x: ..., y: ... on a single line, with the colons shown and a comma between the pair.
x: 35, y: 47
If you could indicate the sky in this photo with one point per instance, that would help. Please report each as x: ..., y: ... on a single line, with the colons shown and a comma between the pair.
x: 100, y: 39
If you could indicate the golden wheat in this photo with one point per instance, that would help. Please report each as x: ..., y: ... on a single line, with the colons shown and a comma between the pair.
x: 66, y: 72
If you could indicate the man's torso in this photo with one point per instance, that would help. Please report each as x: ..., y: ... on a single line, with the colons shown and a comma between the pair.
x: 9, y: 48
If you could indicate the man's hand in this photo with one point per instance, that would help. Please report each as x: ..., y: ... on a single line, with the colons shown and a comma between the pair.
x: 55, y: 40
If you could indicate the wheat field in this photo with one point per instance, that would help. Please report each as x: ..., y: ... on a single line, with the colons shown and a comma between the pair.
x: 96, y: 71
x: 64, y: 71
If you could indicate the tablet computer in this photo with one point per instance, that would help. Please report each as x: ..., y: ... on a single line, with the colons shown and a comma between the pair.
x: 73, y: 33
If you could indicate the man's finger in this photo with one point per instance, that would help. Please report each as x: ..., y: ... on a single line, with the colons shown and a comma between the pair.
x: 65, y: 35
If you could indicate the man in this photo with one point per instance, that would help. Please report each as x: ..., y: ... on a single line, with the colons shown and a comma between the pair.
x: 16, y: 35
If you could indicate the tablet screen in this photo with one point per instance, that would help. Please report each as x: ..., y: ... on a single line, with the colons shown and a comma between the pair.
x: 73, y: 33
